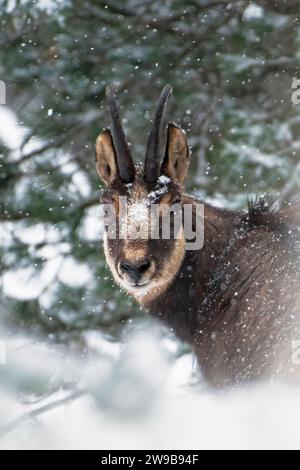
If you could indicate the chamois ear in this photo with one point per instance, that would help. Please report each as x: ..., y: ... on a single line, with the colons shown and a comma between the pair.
x: 177, y: 157
x: 106, y: 158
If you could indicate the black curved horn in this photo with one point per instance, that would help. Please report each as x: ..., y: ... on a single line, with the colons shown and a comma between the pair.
x: 154, y: 143
x: 124, y: 157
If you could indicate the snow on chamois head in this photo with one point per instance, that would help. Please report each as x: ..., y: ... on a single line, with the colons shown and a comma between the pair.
x: 137, y: 201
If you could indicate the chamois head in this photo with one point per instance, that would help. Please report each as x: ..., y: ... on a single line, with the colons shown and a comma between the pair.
x: 143, y: 264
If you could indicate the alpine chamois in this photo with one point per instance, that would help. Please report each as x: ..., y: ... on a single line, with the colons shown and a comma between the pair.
x: 236, y: 300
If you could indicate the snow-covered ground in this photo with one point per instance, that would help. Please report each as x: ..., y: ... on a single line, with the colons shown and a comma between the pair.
x: 136, y: 399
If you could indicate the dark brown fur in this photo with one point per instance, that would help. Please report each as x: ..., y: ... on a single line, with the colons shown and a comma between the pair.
x: 237, y: 300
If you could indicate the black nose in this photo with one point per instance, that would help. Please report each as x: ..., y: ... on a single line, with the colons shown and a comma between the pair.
x: 135, y: 270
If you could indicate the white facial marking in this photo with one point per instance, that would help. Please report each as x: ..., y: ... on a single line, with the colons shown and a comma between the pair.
x: 134, y: 223
x: 164, y: 179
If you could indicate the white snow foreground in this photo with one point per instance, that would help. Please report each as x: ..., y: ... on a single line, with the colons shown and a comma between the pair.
x: 134, y: 396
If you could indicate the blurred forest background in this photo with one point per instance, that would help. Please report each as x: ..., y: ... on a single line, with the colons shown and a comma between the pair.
x: 232, y: 65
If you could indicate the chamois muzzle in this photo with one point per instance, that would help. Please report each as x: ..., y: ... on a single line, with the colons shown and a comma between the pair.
x: 124, y: 157
x: 135, y: 271
x: 155, y: 139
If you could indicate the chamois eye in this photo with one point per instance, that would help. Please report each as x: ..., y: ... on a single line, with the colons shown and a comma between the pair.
x: 105, y: 210
x: 176, y: 201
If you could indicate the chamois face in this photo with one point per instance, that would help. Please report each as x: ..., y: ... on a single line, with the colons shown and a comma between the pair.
x: 144, y: 245
x: 143, y: 265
